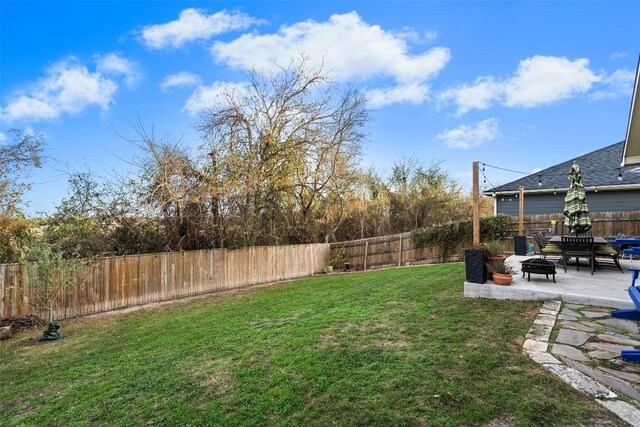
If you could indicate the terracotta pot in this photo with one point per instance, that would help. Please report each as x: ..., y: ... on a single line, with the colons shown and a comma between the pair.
x: 496, y: 258
x: 502, y: 279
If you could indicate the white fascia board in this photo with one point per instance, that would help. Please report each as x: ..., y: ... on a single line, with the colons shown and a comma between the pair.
x: 631, y: 152
x: 565, y: 189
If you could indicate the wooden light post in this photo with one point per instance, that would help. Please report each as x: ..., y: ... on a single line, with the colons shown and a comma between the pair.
x: 475, y: 197
x: 474, y: 257
x: 521, y: 211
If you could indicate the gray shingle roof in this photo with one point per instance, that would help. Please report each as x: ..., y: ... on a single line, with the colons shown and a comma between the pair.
x: 599, y: 168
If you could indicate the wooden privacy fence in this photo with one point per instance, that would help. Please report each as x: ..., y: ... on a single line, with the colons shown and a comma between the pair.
x: 118, y: 282
x: 390, y: 251
x: 398, y: 249
x: 606, y: 224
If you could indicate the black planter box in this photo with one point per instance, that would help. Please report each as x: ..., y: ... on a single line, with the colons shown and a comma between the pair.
x: 475, y: 265
x: 520, y: 245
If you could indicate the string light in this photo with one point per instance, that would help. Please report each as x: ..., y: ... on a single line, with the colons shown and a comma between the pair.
x: 484, y: 182
x: 585, y: 171
x: 530, y: 175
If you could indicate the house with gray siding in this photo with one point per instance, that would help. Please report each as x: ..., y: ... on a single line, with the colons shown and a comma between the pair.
x: 610, y: 187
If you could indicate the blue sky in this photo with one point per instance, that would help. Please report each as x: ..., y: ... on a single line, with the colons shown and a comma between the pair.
x: 521, y: 85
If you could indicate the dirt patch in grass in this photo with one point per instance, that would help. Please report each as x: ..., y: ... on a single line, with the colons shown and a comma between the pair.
x: 364, y: 336
x: 22, y: 323
x: 26, y: 412
x: 530, y: 314
x: 215, y: 375
x: 268, y: 323
x: 221, y: 381
x: 506, y: 421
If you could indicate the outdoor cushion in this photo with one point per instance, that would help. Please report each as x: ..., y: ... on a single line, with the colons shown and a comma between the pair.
x: 606, y: 250
x: 551, y: 249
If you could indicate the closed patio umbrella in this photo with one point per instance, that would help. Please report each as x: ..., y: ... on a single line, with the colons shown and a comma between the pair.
x: 575, y: 204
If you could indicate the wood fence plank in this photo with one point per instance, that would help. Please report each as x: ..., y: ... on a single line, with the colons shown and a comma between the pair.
x: 117, y: 282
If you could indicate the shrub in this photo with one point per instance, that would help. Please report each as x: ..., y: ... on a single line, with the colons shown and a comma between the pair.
x: 448, y: 236
x: 338, y: 256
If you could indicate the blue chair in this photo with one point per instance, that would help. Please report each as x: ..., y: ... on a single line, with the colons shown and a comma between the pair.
x: 633, y: 314
x: 633, y: 251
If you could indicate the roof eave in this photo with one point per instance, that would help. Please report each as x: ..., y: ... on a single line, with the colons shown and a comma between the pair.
x: 617, y: 187
x: 631, y: 151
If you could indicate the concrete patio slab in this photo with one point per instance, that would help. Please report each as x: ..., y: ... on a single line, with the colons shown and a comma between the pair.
x: 605, y: 288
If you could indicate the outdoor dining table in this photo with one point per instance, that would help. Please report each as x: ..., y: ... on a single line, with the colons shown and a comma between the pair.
x: 598, y: 241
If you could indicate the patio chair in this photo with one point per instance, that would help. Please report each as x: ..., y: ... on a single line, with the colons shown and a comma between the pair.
x: 545, y: 248
x: 633, y: 251
x: 578, y: 247
x: 608, y: 252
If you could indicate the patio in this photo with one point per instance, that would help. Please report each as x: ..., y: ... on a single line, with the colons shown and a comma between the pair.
x: 605, y: 288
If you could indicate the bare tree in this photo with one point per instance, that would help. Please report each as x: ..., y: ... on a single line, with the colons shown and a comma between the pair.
x: 285, y: 149
x: 15, y: 158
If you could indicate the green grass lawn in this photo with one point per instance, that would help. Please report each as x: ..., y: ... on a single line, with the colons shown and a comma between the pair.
x: 393, y: 347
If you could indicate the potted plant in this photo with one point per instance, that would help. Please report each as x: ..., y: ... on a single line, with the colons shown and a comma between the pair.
x: 494, y: 250
x: 475, y: 264
x: 502, y: 272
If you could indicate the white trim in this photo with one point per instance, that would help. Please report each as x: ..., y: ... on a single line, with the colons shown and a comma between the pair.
x: 565, y: 189
x: 633, y: 127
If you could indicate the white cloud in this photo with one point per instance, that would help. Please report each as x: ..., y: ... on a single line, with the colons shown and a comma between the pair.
x: 3, y: 138
x: 67, y: 88
x: 414, y: 93
x: 182, y: 78
x: 619, y: 55
x: 412, y: 35
x: 539, y: 80
x: 478, y: 95
x: 616, y: 85
x: 469, y: 136
x: 346, y: 46
x: 547, y: 79
x: 115, y: 64
x: 194, y: 24
x: 204, y: 97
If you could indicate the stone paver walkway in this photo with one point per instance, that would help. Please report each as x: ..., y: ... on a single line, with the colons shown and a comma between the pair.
x: 582, y: 345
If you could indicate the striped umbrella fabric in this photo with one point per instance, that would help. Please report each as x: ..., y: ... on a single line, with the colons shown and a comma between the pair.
x: 576, y: 211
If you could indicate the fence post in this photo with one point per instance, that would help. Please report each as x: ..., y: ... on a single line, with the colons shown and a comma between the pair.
x: 400, y: 253
x: 2, y: 292
x: 366, y: 250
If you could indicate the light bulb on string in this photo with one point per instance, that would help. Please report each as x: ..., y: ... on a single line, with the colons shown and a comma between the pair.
x: 619, y: 175
x: 555, y: 190
x: 539, y: 180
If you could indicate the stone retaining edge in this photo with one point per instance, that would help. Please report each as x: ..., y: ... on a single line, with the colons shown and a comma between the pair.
x: 536, y: 345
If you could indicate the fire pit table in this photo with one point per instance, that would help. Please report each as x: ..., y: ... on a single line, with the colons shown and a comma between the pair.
x: 538, y: 266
